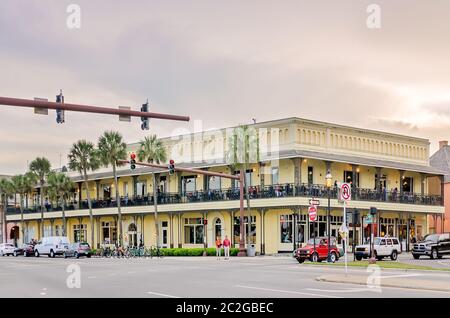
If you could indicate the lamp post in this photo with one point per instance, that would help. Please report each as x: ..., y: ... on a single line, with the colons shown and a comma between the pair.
x: 328, y: 178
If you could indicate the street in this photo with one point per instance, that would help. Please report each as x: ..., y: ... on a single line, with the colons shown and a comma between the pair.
x: 263, y: 277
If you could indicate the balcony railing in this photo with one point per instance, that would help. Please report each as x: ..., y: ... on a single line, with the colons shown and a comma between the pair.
x: 255, y: 192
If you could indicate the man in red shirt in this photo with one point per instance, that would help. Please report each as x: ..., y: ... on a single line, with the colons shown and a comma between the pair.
x: 226, y: 247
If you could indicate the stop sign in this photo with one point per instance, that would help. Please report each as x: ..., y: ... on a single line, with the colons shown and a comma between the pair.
x: 312, y: 211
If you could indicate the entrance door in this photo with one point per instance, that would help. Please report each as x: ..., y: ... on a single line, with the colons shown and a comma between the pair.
x: 218, y: 229
x: 132, y: 235
x: 164, y: 234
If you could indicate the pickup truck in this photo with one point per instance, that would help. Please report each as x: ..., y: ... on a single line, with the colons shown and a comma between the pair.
x: 433, y: 246
x: 383, y: 247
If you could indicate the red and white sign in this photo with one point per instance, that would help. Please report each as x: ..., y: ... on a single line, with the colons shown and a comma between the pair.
x: 346, y: 192
x: 312, y: 212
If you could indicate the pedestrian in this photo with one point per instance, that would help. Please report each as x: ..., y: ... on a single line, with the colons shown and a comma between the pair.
x: 226, y: 247
x: 218, y: 247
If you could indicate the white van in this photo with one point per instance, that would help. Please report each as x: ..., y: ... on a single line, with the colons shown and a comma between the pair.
x: 51, y: 246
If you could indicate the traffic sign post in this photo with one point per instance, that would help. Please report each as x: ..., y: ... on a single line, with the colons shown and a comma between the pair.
x: 312, y: 213
x: 345, y: 194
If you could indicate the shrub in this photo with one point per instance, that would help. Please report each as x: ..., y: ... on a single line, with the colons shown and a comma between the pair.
x: 196, y: 251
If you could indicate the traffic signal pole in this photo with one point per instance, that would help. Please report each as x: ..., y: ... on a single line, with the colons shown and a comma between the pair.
x: 240, y: 178
x: 19, y: 102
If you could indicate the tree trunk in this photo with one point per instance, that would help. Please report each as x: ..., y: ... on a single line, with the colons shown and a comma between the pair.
x: 155, y: 202
x: 91, y: 217
x: 116, y: 186
x: 64, y: 217
x: 1, y: 219
x: 249, y: 220
x: 21, y: 219
x: 42, y: 208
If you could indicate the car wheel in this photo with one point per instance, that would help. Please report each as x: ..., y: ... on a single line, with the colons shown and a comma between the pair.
x: 315, y: 257
x: 333, y: 257
x: 15, y: 254
x: 301, y: 260
x: 52, y: 254
x: 434, y: 254
x: 64, y: 255
x: 36, y: 253
x: 358, y: 258
x: 76, y: 255
x: 88, y: 255
x: 24, y: 254
x: 394, y: 256
x: 416, y: 256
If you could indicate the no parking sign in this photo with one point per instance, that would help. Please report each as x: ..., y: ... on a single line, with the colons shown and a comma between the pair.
x: 346, y: 192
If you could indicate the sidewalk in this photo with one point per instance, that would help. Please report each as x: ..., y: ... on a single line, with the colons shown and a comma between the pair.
x: 409, y: 281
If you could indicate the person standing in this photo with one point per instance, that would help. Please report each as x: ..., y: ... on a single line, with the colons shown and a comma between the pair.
x: 226, y: 247
x: 218, y: 247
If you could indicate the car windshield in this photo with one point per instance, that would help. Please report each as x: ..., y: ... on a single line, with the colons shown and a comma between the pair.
x: 377, y: 241
x: 431, y: 238
x: 311, y: 241
x: 84, y: 244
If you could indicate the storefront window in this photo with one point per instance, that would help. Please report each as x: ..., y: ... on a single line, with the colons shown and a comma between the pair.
x: 109, y: 231
x: 193, y: 231
x: 387, y: 227
x: 79, y: 233
x: 286, y: 228
x: 319, y: 227
x: 251, y: 230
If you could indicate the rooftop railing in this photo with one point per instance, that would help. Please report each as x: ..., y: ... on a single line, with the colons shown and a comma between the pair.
x: 255, y: 192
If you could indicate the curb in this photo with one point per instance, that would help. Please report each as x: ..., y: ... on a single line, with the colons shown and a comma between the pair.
x: 403, y: 286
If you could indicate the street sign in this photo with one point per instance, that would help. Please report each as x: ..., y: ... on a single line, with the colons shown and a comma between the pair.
x: 369, y: 219
x: 346, y: 192
x: 125, y: 117
x: 312, y: 212
x: 41, y: 111
x: 314, y: 202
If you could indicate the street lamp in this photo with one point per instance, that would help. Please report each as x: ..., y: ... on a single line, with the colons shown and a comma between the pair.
x: 328, y: 178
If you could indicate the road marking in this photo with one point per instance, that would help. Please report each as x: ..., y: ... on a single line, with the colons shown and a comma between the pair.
x: 286, y: 291
x: 400, y: 276
x: 163, y: 295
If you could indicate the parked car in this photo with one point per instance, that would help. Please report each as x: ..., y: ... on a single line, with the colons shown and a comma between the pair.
x: 78, y: 249
x: 52, y: 246
x: 319, y: 252
x: 433, y: 245
x: 383, y: 247
x: 7, y: 249
x: 25, y: 250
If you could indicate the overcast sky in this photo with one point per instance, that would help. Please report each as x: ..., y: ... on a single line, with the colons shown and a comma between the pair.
x: 222, y: 62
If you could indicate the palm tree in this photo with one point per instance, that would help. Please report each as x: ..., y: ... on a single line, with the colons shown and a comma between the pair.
x: 23, y: 184
x: 112, y: 148
x: 152, y: 150
x: 82, y: 158
x: 60, y: 188
x: 40, y: 168
x: 6, y: 191
x: 243, y: 149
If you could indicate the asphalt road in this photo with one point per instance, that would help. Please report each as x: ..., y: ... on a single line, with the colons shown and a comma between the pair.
x: 188, y: 277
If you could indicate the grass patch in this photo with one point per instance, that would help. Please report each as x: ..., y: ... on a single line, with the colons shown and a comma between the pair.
x: 382, y: 264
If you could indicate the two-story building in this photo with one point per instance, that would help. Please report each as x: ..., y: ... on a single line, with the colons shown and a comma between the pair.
x: 387, y: 171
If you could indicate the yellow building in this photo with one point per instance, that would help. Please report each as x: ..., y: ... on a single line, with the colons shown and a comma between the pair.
x: 387, y: 171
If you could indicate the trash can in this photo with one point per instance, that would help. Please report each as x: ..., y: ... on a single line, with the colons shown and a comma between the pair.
x: 251, y: 250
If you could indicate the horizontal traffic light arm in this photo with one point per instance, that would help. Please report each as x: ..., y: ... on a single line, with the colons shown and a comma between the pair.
x: 198, y: 171
x: 19, y: 102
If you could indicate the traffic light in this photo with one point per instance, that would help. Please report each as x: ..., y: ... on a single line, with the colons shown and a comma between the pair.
x: 60, y: 112
x: 171, y: 167
x: 133, y: 161
x: 145, y: 125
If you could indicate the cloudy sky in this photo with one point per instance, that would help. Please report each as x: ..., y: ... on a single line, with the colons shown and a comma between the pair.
x: 222, y: 62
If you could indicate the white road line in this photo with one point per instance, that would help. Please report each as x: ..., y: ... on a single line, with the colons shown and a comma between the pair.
x: 163, y: 295
x: 286, y: 291
x: 350, y: 290
x: 400, y: 276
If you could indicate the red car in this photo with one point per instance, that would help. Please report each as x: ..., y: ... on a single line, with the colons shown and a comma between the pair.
x: 320, y: 252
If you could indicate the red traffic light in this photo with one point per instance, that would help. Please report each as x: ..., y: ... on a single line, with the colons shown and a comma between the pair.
x: 133, y: 156
x: 171, y: 162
